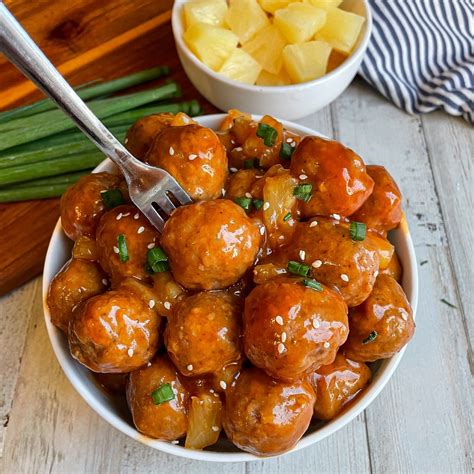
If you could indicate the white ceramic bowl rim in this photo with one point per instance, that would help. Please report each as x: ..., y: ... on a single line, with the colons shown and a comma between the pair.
x: 71, y: 370
x: 176, y: 21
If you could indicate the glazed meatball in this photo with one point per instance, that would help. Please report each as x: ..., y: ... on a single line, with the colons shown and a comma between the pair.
x: 340, y: 183
x: 82, y: 205
x: 334, y: 258
x: 114, y: 332
x: 383, y: 209
x: 194, y: 156
x: 168, y: 420
x: 203, y: 332
x: 382, y: 324
x: 264, y: 416
x: 141, y: 134
x: 77, y: 281
x: 210, y: 244
x: 290, y: 329
x: 337, y: 384
x: 126, y: 227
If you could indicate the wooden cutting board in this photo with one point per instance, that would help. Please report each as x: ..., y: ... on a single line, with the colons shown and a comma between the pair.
x: 85, y: 40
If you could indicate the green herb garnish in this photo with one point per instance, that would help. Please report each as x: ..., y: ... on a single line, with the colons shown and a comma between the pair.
x: 258, y: 203
x: 267, y: 133
x: 244, y: 202
x: 122, y: 246
x: 303, y: 192
x: 112, y: 198
x: 164, y: 393
x: 357, y: 231
x: 251, y: 163
x: 287, y: 217
x: 298, y: 268
x: 157, y: 260
x: 313, y: 284
x: 286, y: 151
x: 370, y: 338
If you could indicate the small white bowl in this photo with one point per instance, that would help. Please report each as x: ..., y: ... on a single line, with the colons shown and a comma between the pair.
x: 287, y: 102
x: 115, y: 411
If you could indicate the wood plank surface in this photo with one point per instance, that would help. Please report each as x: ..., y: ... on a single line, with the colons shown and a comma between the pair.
x: 420, y: 423
x: 85, y: 40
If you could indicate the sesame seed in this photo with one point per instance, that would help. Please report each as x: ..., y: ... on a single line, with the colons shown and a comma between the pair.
x: 344, y: 277
x: 262, y: 230
x: 223, y: 385
x: 303, y: 176
x: 190, y: 367
x: 337, y: 217
x: 152, y: 245
x: 293, y: 144
x: 126, y: 141
x: 376, y: 274
x: 302, y: 254
x: 130, y: 352
x: 283, y: 336
x: 175, y: 441
x: 211, y: 390
x: 215, y: 428
x: 192, y: 157
x: 279, y: 320
x: 266, y: 205
x: 289, y: 140
x: 223, y: 191
x: 404, y: 317
x: 281, y: 347
x: 313, y: 224
x: 233, y: 170
x: 104, y: 281
x: 141, y: 230
x: 171, y: 151
x: 151, y: 304
x: 326, y: 345
x: 119, y: 216
x: 116, y: 250
x: 136, y: 216
x: 317, y: 263
x: 248, y: 195
x: 149, y: 364
x: 316, y: 324
x: 167, y: 305
x: 239, y: 148
x: 126, y: 214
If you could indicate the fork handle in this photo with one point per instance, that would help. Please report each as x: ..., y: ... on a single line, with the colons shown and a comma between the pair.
x: 22, y: 51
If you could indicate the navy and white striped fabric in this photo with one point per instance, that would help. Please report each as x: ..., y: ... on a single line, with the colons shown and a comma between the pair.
x: 421, y: 55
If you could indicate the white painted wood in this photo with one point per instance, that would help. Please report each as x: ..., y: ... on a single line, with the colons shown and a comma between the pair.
x: 422, y: 420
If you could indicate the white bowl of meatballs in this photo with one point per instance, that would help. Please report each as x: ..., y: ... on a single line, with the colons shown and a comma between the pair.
x: 268, y: 314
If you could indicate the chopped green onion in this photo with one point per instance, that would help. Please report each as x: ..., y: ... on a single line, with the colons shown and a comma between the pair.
x: 357, y: 230
x: 250, y: 163
x: 244, y: 202
x: 287, y: 217
x: 286, y: 151
x: 303, y: 192
x: 446, y: 302
x: 122, y: 246
x: 258, y: 203
x: 157, y: 260
x: 269, y: 134
x: 371, y: 337
x: 298, y: 268
x: 164, y: 393
x: 313, y: 284
x: 112, y: 198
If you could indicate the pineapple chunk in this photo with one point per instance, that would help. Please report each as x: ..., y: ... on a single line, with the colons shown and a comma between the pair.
x: 211, y: 12
x: 324, y: 3
x: 211, y: 44
x: 240, y: 66
x: 269, y: 57
x: 335, y: 60
x: 268, y: 79
x: 299, y: 21
x: 341, y: 30
x: 306, y: 61
x: 271, y: 6
x: 245, y: 18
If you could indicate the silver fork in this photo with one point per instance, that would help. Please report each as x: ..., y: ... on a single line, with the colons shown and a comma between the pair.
x: 150, y: 188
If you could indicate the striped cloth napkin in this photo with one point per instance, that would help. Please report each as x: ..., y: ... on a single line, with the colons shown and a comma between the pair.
x: 421, y: 55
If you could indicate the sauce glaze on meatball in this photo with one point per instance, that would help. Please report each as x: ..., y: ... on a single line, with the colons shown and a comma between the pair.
x: 264, y: 416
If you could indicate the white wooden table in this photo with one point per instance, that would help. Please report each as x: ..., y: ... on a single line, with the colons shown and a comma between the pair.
x: 422, y: 421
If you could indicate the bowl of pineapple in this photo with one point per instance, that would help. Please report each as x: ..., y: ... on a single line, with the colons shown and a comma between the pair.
x: 287, y: 58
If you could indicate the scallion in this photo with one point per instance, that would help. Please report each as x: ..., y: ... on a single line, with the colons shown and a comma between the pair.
x: 313, y: 284
x: 258, y: 204
x: 250, y: 163
x: 112, y: 198
x: 286, y: 151
x: 164, y: 393
x: 370, y: 338
x: 244, y: 202
x: 287, y: 217
x: 267, y: 133
x: 357, y: 231
x: 298, y: 268
x: 157, y: 260
x: 122, y: 247
x: 303, y: 192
